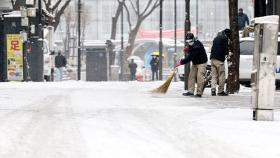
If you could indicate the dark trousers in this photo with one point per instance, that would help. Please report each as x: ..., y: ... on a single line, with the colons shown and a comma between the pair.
x: 153, y: 75
x: 132, y: 76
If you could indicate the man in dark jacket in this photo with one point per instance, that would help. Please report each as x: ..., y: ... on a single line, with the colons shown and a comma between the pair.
x: 197, y: 55
x: 154, y: 67
x: 132, y: 66
x: 242, y: 19
x: 219, y: 51
x: 60, y: 63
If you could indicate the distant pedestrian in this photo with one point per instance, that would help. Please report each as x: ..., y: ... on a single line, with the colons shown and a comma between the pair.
x: 242, y: 19
x: 197, y: 55
x: 132, y: 66
x: 60, y: 63
x: 154, y: 67
x: 219, y: 51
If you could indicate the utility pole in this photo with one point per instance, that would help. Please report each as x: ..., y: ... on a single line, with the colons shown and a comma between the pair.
x: 79, y: 39
x: 160, y: 40
x: 122, y: 46
x: 175, y: 36
x: 187, y: 29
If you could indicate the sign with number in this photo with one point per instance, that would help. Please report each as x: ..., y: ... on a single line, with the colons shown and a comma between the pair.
x: 14, y: 57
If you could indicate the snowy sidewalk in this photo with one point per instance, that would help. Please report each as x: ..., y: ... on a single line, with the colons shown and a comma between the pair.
x: 124, y: 120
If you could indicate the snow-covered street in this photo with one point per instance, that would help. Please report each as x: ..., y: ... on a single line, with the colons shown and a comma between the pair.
x: 125, y: 120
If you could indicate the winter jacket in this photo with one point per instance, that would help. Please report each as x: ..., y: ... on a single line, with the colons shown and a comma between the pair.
x: 220, y: 48
x: 242, y: 19
x: 132, y: 67
x: 154, y: 64
x: 196, y: 54
x: 60, y: 61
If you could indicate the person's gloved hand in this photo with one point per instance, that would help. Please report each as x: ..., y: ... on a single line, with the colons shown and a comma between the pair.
x: 186, y: 50
x: 178, y: 63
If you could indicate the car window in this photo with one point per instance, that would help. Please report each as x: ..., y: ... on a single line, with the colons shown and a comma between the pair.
x: 278, y: 50
x: 246, y: 47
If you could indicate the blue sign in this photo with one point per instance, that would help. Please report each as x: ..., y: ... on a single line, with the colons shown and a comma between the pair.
x: 278, y: 70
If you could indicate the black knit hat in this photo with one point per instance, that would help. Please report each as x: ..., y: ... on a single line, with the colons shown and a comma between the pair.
x: 189, y: 36
x: 227, y: 32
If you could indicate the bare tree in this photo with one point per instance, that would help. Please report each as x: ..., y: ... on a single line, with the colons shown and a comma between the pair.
x: 55, y: 7
x: 115, y: 19
x: 141, y: 15
x: 234, y: 57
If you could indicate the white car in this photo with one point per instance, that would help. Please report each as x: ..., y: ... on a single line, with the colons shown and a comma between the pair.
x: 246, y: 60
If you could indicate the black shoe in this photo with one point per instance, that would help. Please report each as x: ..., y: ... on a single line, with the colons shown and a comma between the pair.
x: 188, y: 94
x: 222, y: 94
x: 213, y: 93
x: 197, y: 96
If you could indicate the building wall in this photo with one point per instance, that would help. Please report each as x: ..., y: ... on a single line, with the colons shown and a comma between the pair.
x: 213, y: 17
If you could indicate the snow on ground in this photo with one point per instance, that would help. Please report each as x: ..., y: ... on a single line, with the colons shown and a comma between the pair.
x: 124, y: 119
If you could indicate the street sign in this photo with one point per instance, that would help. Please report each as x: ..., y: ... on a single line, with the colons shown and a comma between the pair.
x: 14, y: 57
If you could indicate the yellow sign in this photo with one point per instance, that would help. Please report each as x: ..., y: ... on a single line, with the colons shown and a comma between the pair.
x: 14, y: 57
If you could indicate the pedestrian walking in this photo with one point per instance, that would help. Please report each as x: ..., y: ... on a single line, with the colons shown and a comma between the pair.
x: 60, y: 63
x: 197, y: 55
x: 219, y: 51
x: 242, y: 19
x: 154, y: 67
x: 132, y: 66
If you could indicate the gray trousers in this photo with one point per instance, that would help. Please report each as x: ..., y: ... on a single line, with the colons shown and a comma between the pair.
x: 218, y: 75
x: 197, y: 75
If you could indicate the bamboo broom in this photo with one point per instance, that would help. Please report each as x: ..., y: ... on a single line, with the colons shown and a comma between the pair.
x: 164, y: 87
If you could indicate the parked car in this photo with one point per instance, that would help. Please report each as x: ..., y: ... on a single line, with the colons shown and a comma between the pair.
x: 246, y: 61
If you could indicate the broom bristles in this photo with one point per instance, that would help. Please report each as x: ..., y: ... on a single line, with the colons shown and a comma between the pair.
x: 164, y: 87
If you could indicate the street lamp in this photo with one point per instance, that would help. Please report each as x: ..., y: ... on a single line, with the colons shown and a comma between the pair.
x: 160, y: 40
x: 122, y: 46
x: 79, y: 39
x: 175, y: 35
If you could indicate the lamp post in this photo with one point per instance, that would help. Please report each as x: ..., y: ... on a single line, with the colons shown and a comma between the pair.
x: 175, y: 35
x: 122, y: 46
x: 79, y: 39
x: 160, y: 40
x: 196, y: 16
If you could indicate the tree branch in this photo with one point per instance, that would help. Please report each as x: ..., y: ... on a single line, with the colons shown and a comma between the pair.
x: 156, y: 4
x: 128, y: 17
x: 55, y: 7
x: 60, y: 12
x: 134, y: 8
x: 147, y: 7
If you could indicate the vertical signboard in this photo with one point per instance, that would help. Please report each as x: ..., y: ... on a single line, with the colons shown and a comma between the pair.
x: 14, y: 57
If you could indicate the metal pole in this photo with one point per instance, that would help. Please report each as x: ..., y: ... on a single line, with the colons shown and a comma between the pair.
x: 160, y: 41
x: 122, y: 47
x: 79, y: 39
x: 40, y: 11
x: 175, y: 35
x: 196, y: 18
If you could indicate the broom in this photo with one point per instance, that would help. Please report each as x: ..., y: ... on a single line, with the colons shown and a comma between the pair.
x: 164, y: 87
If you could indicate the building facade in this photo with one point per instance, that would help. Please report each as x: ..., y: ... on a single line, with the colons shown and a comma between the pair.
x: 212, y: 17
